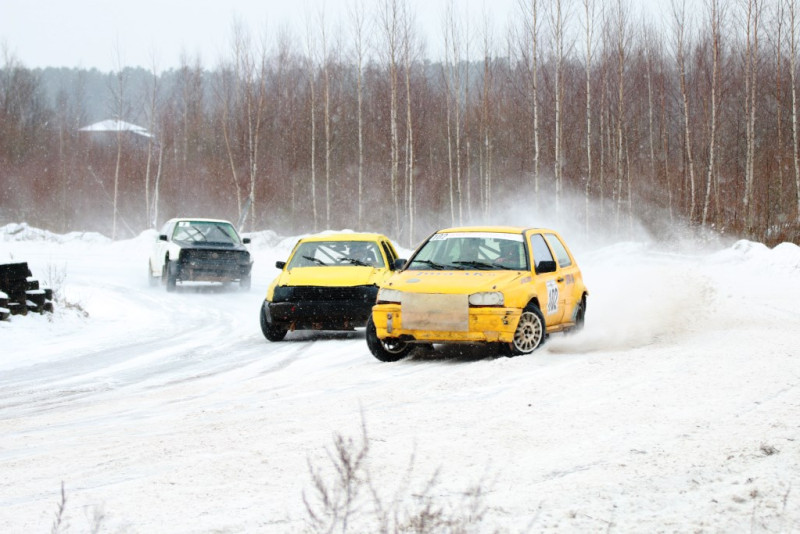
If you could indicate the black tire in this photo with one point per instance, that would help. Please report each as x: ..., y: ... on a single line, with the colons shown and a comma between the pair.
x: 171, y: 269
x: 271, y: 332
x: 530, y: 333
x: 386, y: 351
x: 580, y: 316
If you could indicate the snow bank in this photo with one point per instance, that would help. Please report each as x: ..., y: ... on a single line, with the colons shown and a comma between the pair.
x: 23, y: 232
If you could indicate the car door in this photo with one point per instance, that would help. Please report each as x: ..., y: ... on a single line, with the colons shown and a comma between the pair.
x: 568, y: 273
x: 548, y: 275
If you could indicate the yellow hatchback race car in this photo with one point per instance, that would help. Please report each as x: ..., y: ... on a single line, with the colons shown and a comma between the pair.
x: 329, y: 282
x: 505, y: 285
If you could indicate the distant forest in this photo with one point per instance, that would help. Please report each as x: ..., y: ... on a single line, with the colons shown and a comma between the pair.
x: 575, y: 111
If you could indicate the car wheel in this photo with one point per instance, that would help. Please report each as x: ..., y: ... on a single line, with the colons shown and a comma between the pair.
x: 580, y: 315
x: 245, y: 282
x: 385, y: 351
x: 172, y: 275
x: 271, y: 332
x: 530, y: 332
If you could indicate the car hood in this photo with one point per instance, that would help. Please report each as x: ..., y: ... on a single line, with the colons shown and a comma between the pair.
x: 330, y: 276
x: 455, y: 282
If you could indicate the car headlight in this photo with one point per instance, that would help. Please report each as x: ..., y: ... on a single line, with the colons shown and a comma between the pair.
x: 386, y: 295
x: 487, y: 298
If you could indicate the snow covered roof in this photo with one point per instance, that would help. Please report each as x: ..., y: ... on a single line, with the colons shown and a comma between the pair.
x: 113, y: 125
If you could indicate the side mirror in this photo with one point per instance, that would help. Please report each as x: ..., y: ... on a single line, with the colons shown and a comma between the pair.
x: 162, y: 237
x: 246, y: 240
x: 399, y: 263
x: 546, y: 267
x: 280, y: 264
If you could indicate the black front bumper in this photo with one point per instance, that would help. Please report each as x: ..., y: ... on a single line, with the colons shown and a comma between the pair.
x: 321, y: 308
x: 213, y: 265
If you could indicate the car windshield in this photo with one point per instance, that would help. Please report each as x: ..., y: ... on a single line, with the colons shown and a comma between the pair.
x: 330, y: 253
x: 217, y: 233
x: 473, y: 251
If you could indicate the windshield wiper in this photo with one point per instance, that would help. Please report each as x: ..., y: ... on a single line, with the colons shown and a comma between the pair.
x: 315, y: 260
x: 479, y: 265
x: 357, y: 262
x: 431, y: 264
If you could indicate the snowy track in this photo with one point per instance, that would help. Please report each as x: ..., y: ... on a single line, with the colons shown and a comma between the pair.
x: 675, y: 410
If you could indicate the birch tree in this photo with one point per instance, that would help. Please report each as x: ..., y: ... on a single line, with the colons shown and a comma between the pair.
x: 408, y: 52
x: 680, y: 28
x: 589, y: 14
x: 120, y: 108
x: 359, y: 26
x: 714, y: 25
x: 792, y: 7
x: 530, y: 10
x: 558, y: 20
x: 486, y: 152
x: 752, y: 14
x: 152, y: 143
x: 311, y: 50
x: 389, y: 16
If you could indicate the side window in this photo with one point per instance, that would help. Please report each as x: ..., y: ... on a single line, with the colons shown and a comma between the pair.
x: 541, y: 254
x: 560, y: 250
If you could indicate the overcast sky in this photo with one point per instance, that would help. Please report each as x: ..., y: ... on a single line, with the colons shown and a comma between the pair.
x: 107, y: 34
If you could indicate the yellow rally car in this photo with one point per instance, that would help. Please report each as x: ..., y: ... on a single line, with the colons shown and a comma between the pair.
x: 329, y: 282
x: 505, y: 285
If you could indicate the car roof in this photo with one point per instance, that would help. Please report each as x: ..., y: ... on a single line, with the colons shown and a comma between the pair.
x: 198, y: 219
x: 498, y: 229
x: 345, y: 236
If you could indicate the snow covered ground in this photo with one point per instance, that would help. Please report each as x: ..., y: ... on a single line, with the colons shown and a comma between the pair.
x: 677, y: 409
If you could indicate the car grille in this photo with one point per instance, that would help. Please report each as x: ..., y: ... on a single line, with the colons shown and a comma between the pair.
x: 214, y: 256
x: 321, y: 293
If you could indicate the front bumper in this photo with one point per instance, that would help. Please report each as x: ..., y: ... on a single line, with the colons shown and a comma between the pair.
x: 213, y: 266
x: 321, y: 308
x: 480, y: 325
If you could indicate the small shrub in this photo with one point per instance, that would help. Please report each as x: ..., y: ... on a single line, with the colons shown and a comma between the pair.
x: 349, y: 498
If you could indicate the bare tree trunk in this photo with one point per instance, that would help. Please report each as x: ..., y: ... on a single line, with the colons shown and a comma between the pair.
x: 712, y: 141
x: 453, y: 35
x: 679, y: 12
x: 753, y: 11
x: 410, y: 205
x: 118, y: 94
x: 651, y: 135
x: 389, y: 25
x: 792, y: 4
x: 311, y: 48
x: 620, y: 163
x: 557, y: 21
x: 486, y: 152
x: 534, y: 36
x: 152, y: 112
x: 358, y: 21
x: 588, y: 6
x: 778, y: 111
x: 327, y: 120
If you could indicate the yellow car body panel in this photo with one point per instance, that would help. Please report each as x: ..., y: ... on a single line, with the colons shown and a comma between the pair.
x: 434, y: 303
x: 334, y: 276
